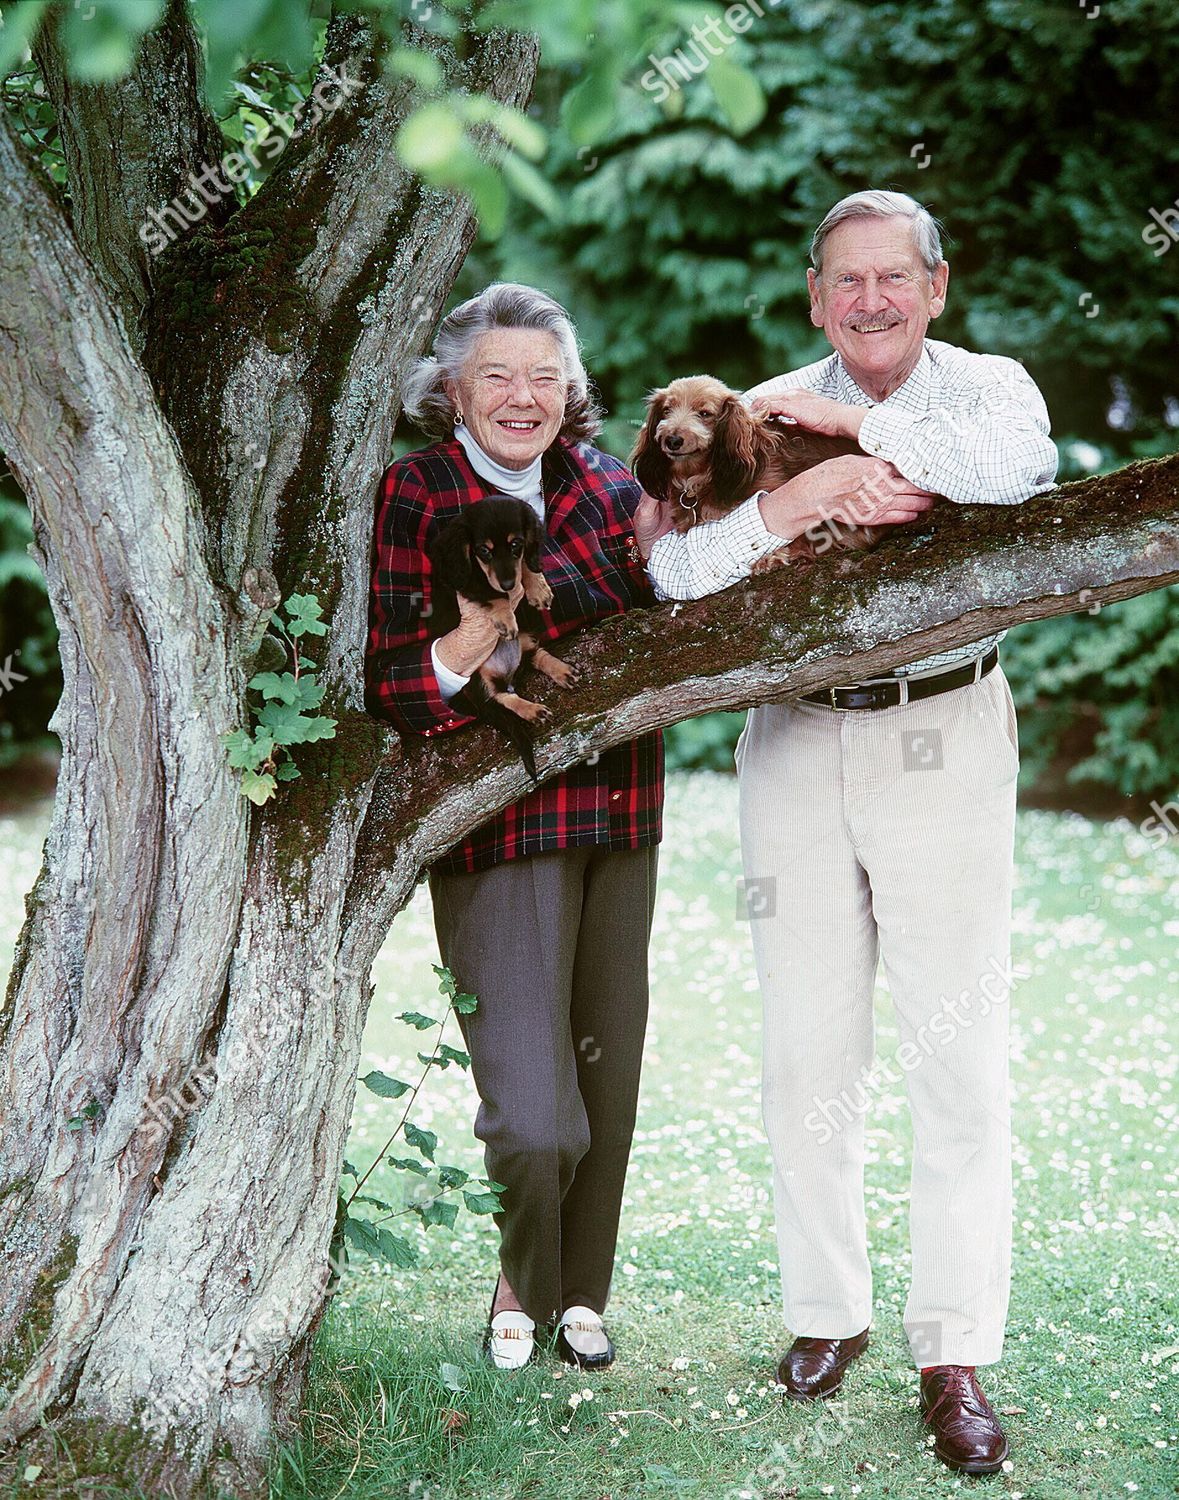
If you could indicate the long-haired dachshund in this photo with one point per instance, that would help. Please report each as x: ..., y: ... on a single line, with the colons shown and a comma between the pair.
x: 703, y: 449
x: 483, y: 554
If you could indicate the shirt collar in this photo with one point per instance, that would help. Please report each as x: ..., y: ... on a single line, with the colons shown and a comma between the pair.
x: 912, y: 395
x: 524, y: 484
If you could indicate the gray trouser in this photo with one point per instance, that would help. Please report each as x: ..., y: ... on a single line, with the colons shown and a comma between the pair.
x: 555, y: 947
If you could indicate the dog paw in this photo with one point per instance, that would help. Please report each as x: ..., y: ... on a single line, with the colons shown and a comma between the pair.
x: 504, y: 620
x: 564, y: 675
x: 534, y: 713
x: 537, y: 592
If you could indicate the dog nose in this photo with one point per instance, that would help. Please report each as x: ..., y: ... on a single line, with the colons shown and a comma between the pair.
x: 675, y: 442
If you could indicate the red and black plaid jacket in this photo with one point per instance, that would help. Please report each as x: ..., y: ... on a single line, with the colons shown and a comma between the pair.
x: 593, y: 568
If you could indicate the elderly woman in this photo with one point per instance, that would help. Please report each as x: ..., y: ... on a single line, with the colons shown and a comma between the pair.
x: 545, y: 911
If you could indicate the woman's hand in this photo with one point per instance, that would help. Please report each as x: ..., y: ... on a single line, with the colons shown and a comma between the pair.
x: 478, y: 632
x: 652, y: 519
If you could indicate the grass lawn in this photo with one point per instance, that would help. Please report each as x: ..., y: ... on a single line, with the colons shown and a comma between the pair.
x: 1090, y: 1380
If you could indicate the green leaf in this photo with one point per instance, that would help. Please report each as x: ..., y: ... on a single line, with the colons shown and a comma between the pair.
x: 382, y: 1084
x: 290, y: 727
x: 588, y: 109
x: 18, y: 31
x: 415, y: 1018
x: 258, y: 789
x: 305, y: 615
x: 423, y: 67
x: 286, y: 770
x: 348, y: 1170
x: 409, y: 1164
x: 376, y: 1202
x: 397, y: 1250
x: 448, y: 986
x: 452, y: 1377
x: 424, y: 1140
x: 100, y: 39
x: 377, y: 1241
x: 431, y: 139
x: 738, y: 93
x: 88, y: 1112
x: 482, y: 1203
x: 439, y: 1211
x: 521, y: 133
x: 452, y: 1177
x: 284, y: 687
x: 524, y: 180
x: 245, y: 752
x: 452, y: 1054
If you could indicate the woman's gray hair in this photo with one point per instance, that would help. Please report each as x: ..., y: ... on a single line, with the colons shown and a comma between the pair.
x: 878, y: 204
x: 504, y: 304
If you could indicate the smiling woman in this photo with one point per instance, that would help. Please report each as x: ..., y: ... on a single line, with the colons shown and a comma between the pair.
x: 545, y: 912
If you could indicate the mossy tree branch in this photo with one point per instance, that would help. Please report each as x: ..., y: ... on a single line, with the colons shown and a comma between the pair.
x: 967, y: 572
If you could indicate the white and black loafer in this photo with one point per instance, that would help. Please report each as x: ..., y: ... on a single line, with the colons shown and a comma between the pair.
x: 509, y: 1342
x: 582, y: 1339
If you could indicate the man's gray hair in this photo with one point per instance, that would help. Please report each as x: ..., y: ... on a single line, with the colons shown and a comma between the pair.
x: 878, y: 204
x: 504, y: 304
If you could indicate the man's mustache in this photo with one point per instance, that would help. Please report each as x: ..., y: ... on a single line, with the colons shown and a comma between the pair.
x: 889, y: 319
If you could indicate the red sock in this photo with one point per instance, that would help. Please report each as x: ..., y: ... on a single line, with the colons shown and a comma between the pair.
x: 925, y: 1369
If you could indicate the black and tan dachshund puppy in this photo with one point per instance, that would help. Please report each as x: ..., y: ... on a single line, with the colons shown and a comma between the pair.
x: 487, y: 550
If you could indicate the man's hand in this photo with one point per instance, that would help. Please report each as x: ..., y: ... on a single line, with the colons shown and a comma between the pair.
x: 815, y: 413
x: 852, y: 490
x: 478, y: 632
x: 652, y: 519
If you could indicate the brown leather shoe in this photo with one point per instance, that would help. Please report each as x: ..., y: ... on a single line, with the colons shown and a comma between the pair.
x: 813, y: 1368
x: 968, y: 1435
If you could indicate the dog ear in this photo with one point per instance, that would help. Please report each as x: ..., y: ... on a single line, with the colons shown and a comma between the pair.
x: 735, y: 461
x: 648, y: 462
x: 450, y: 555
x: 533, y: 538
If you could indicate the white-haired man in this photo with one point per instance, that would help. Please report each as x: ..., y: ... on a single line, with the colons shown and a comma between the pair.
x: 878, y: 820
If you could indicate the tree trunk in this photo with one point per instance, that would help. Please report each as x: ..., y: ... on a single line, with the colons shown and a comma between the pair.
x: 192, y: 979
x: 161, y: 1269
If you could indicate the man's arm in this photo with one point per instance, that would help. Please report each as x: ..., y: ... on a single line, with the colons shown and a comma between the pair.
x: 993, y: 451
x: 712, y: 555
x: 987, y: 444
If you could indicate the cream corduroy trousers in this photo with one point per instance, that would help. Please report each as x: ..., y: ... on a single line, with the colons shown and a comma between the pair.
x: 870, y: 834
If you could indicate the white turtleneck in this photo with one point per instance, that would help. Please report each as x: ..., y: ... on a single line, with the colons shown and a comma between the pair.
x: 521, y: 484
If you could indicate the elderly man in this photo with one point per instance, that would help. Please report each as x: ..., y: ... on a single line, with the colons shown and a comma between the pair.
x: 877, y: 819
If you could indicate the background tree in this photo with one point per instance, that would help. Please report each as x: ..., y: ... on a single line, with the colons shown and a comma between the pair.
x: 1032, y: 130
x: 199, y: 435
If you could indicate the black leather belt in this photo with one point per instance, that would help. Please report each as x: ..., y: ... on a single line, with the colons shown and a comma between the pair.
x: 888, y: 694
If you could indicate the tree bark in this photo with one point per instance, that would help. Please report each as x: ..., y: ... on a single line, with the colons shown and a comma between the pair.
x: 178, y: 950
x: 196, y: 972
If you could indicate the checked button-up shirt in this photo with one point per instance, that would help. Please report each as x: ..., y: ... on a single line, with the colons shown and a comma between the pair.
x: 591, y: 562
x: 971, y: 427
